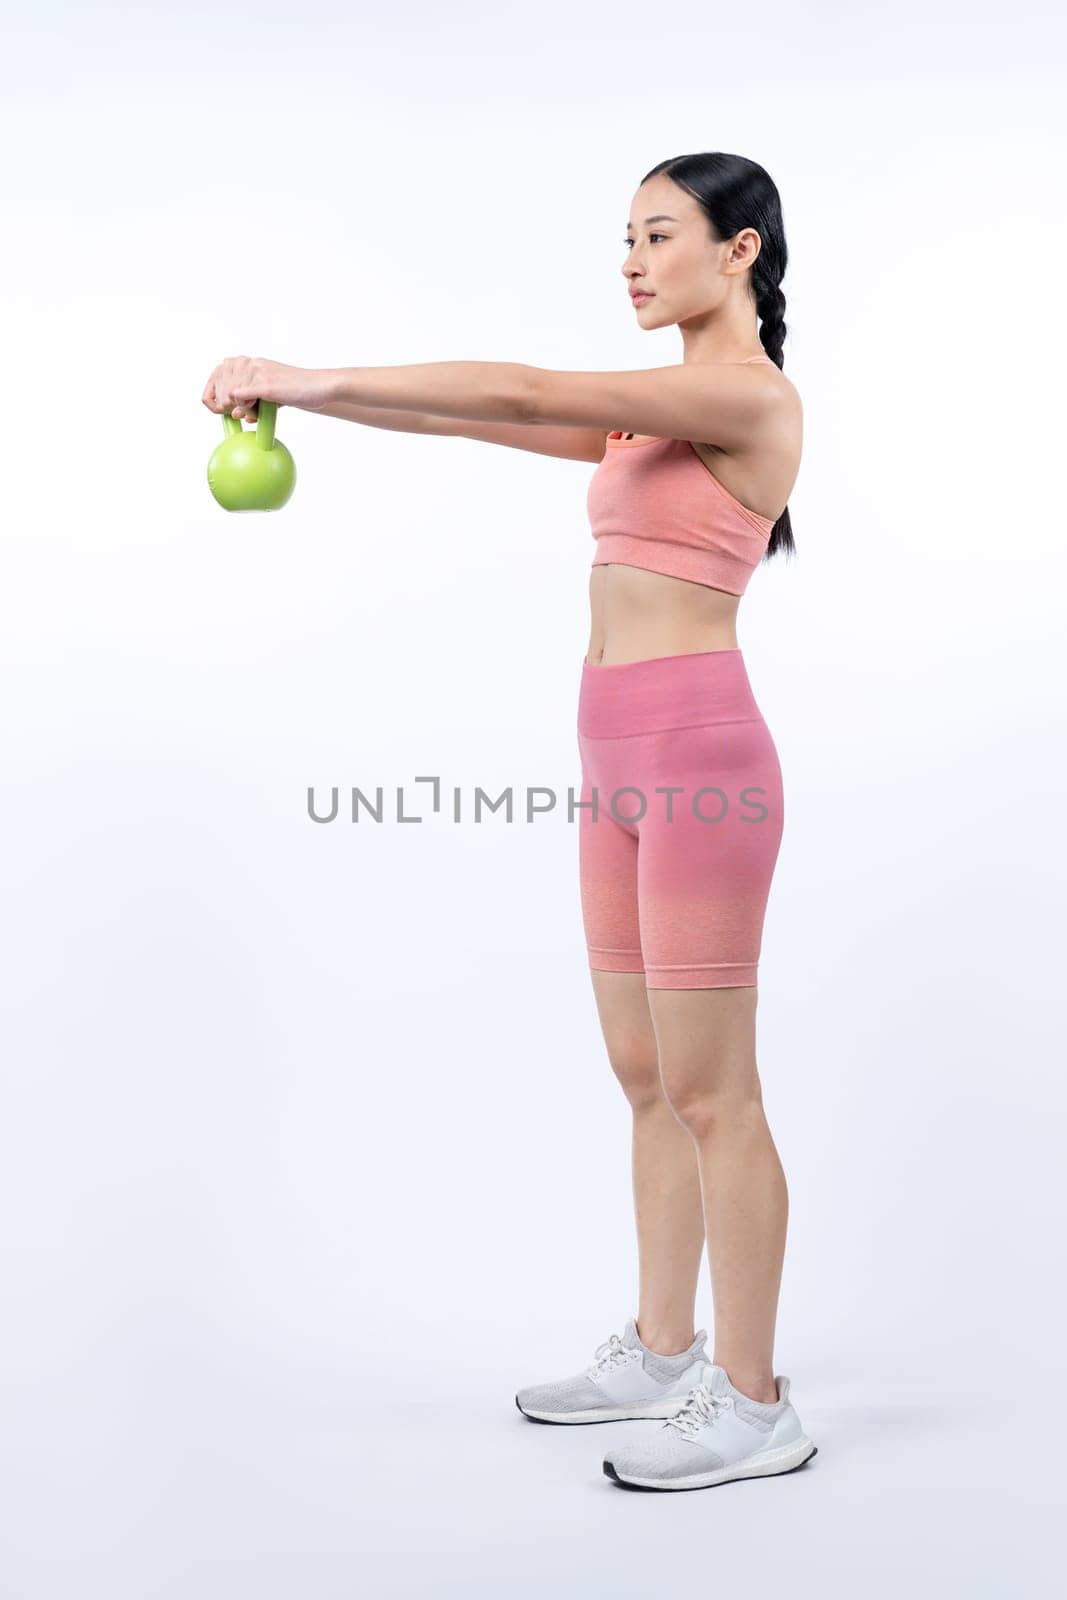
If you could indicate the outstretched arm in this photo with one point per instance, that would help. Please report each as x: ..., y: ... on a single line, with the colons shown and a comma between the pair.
x: 718, y: 403
x: 721, y: 403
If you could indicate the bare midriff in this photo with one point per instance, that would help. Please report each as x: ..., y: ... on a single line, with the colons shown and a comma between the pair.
x: 635, y: 614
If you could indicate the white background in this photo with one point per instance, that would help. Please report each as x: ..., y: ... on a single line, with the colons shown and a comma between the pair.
x: 310, y: 1151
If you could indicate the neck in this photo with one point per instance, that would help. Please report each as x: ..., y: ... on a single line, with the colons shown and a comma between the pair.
x: 713, y: 339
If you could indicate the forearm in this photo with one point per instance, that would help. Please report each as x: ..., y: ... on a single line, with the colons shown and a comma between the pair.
x: 379, y: 417
x: 478, y: 391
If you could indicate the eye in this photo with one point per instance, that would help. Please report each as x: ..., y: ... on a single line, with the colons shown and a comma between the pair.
x: 651, y: 236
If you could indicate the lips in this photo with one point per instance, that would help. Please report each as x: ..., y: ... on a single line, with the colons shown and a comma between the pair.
x: 641, y: 294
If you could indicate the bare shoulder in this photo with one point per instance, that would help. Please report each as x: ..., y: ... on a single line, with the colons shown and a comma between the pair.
x: 774, y: 379
x: 785, y: 409
x: 761, y: 470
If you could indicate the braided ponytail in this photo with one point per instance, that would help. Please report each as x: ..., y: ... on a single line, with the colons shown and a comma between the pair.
x: 736, y: 193
x: 770, y: 308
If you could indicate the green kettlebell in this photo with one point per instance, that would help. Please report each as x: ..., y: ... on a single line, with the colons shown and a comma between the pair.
x: 251, y: 471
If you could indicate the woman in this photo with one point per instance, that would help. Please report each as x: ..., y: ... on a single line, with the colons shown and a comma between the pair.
x: 682, y: 807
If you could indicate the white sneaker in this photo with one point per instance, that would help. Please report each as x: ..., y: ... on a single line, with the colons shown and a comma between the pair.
x: 625, y: 1380
x: 718, y: 1435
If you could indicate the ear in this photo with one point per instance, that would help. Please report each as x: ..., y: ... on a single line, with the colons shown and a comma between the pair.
x: 744, y: 248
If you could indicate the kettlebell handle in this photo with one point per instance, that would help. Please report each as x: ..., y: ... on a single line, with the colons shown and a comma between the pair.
x: 268, y: 413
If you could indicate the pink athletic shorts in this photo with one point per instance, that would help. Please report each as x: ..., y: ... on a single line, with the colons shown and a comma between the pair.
x: 680, y: 821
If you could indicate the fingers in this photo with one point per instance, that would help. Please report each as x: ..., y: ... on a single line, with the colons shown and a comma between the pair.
x: 219, y: 392
x: 209, y: 397
x: 216, y: 395
x: 238, y: 375
x: 229, y: 376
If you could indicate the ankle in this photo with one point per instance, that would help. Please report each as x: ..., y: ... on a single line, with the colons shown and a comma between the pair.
x: 762, y: 1389
x: 662, y: 1338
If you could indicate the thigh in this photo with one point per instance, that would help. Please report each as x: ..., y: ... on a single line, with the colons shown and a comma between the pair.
x: 706, y: 861
x: 607, y: 872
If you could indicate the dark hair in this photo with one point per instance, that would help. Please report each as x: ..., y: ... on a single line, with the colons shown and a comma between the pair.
x: 736, y: 193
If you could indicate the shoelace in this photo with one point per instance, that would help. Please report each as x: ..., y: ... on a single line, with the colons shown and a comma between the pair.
x: 609, y: 1354
x: 701, y: 1406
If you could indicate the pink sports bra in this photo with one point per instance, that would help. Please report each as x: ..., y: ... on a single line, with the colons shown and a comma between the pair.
x: 654, y: 504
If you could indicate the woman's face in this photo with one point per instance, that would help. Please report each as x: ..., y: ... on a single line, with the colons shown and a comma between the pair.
x: 670, y: 253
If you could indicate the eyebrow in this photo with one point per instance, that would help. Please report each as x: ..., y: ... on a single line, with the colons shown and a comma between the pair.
x: 663, y: 217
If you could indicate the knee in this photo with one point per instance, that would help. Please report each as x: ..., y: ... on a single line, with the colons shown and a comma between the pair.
x: 635, y: 1062
x: 707, y: 1102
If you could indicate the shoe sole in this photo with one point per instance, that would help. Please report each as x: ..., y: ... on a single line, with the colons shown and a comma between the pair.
x: 650, y: 1408
x: 773, y: 1463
